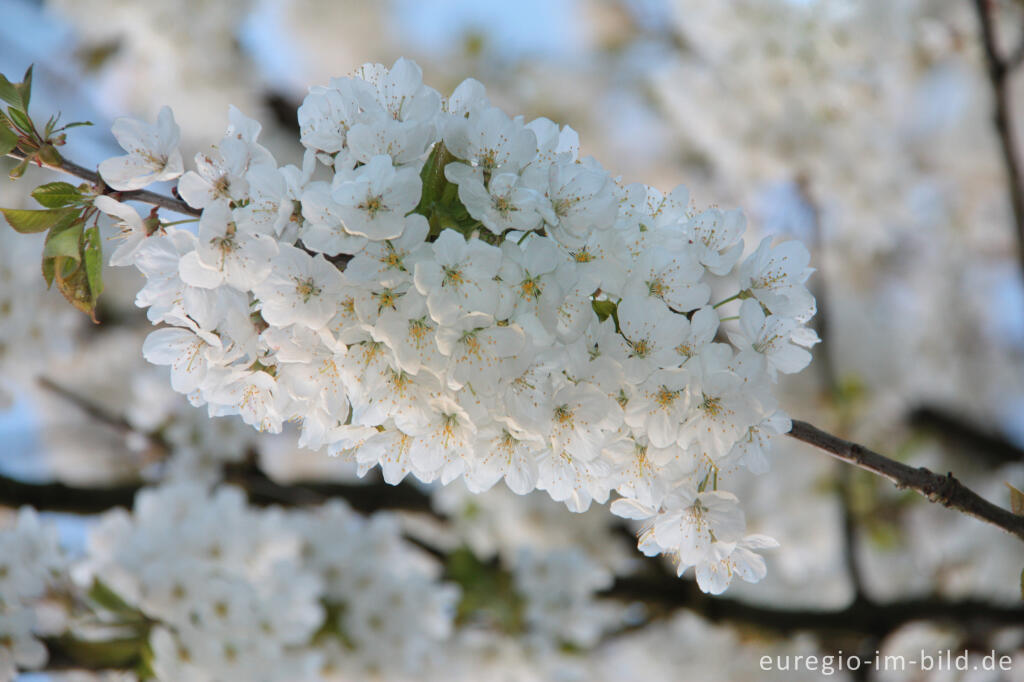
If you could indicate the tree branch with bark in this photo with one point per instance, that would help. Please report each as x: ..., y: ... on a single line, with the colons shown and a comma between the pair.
x: 1000, y: 70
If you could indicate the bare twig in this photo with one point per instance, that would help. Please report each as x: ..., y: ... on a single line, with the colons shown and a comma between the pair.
x: 945, y: 490
x: 826, y: 366
x: 91, y: 409
x: 999, y: 70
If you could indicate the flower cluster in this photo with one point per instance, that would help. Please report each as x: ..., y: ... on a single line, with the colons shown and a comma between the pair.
x: 238, y: 593
x: 31, y: 566
x: 447, y: 291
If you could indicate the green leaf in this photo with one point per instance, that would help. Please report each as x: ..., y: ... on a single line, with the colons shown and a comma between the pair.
x: 9, y: 93
x: 51, y: 124
x: 107, y: 598
x: 17, y: 94
x: 25, y: 88
x: 20, y: 119
x: 434, y: 181
x: 604, y: 309
x: 57, y: 194
x: 63, y: 256
x: 64, y: 242
x: 48, y: 154
x: 1016, y: 500
x: 77, y: 124
x: 49, y: 270
x: 124, y: 652
x: 93, y: 256
x: 29, y: 222
x: 488, y: 591
x: 19, y: 170
x: 8, y: 140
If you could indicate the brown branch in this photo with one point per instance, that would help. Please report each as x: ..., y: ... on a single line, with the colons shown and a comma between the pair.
x: 829, y: 374
x: 261, y: 490
x: 945, y: 490
x: 999, y: 70
x: 862, y: 617
x: 143, y: 195
x: 984, y: 443
x: 92, y: 410
x: 60, y: 497
x: 1016, y: 57
x: 365, y: 497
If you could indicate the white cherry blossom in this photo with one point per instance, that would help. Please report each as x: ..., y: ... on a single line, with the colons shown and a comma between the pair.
x: 300, y: 289
x: 153, y: 154
x: 372, y: 202
x: 459, y: 277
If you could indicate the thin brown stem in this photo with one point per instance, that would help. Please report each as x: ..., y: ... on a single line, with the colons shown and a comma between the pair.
x: 154, y: 199
x: 999, y: 70
x: 92, y: 177
x: 945, y: 490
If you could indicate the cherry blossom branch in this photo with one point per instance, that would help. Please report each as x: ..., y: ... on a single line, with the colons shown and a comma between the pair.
x: 143, y: 195
x: 146, y: 197
x: 945, y: 490
x: 1000, y: 69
